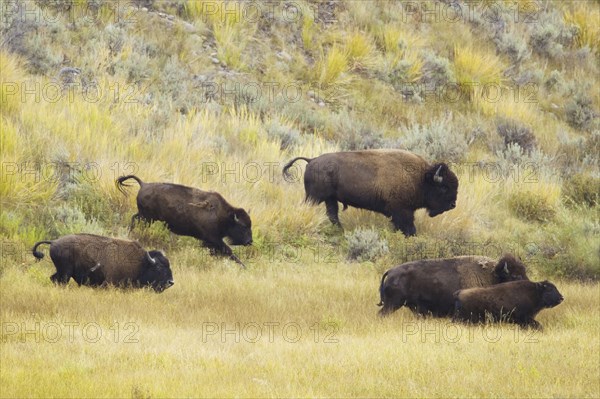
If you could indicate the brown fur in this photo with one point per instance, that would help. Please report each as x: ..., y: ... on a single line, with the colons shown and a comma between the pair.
x: 96, y: 260
x: 514, y: 302
x: 427, y: 286
x: 188, y: 211
x: 392, y: 182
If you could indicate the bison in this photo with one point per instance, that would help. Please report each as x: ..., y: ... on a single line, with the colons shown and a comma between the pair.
x: 427, y: 286
x: 96, y: 260
x: 393, y: 182
x: 515, y: 302
x: 188, y: 211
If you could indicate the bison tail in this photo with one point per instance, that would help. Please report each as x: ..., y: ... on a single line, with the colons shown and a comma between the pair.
x: 120, y: 182
x: 381, y: 288
x: 288, y: 165
x: 39, y: 255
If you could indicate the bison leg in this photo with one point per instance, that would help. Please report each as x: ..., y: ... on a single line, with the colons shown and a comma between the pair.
x: 389, y: 308
x: 405, y: 222
x: 92, y: 277
x: 531, y: 323
x: 62, y: 279
x: 332, y: 211
x: 393, y: 299
x: 223, y: 249
x: 133, y: 219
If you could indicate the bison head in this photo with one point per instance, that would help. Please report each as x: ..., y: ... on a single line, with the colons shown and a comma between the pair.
x: 510, y: 268
x: 550, y: 295
x: 440, y: 189
x: 156, y: 272
x: 239, y: 229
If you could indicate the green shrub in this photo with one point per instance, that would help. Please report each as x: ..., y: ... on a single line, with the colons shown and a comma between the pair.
x: 579, y: 112
x: 582, y: 190
x: 437, y: 71
x: 156, y: 234
x: 135, y: 68
x: 570, y: 247
x: 531, y: 206
x: 513, y: 46
x: 357, y: 135
x: 550, y: 37
x: 438, y: 141
x: 514, y: 132
x: 365, y: 245
x: 578, y: 154
x: 72, y: 220
x: 288, y: 137
x: 27, y: 30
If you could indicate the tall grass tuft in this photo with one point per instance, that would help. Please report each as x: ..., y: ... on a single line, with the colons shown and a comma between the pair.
x: 585, y: 17
x: 477, y: 72
x: 331, y: 71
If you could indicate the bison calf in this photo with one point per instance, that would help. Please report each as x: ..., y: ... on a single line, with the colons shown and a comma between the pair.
x: 96, y: 260
x: 393, y: 182
x: 189, y: 211
x: 427, y: 286
x: 513, y: 302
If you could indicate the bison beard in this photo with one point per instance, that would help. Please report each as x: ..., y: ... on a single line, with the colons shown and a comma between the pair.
x: 427, y: 286
x: 513, y: 302
x: 394, y: 183
x: 188, y: 211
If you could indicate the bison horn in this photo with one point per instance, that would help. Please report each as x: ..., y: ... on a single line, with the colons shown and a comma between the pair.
x: 150, y: 258
x: 437, y: 178
x: 505, y: 270
x: 235, y: 218
x: 93, y: 269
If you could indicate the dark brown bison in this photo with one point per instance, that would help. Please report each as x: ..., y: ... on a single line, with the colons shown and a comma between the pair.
x: 427, y: 286
x: 513, y: 302
x: 96, y: 260
x: 188, y: 211
x: 393, y: 182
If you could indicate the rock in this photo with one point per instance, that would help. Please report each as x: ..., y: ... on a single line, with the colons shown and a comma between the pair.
x: 188, y: 27
x: 321, y: 104
x: 215, y: 60
x: 282, y: 55
x: 72, y: 70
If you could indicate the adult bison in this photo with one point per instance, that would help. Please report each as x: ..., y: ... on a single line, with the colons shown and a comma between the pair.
x: 427, y: 286
x: 515, y: 302
x: 188, y: 211
x: 96, y: 260
x: 392, y: 182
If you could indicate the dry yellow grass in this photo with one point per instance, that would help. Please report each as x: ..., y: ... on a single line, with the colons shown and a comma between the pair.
x: 280, y: 329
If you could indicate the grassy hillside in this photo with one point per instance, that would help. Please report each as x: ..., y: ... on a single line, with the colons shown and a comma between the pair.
x: 220, y: 96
